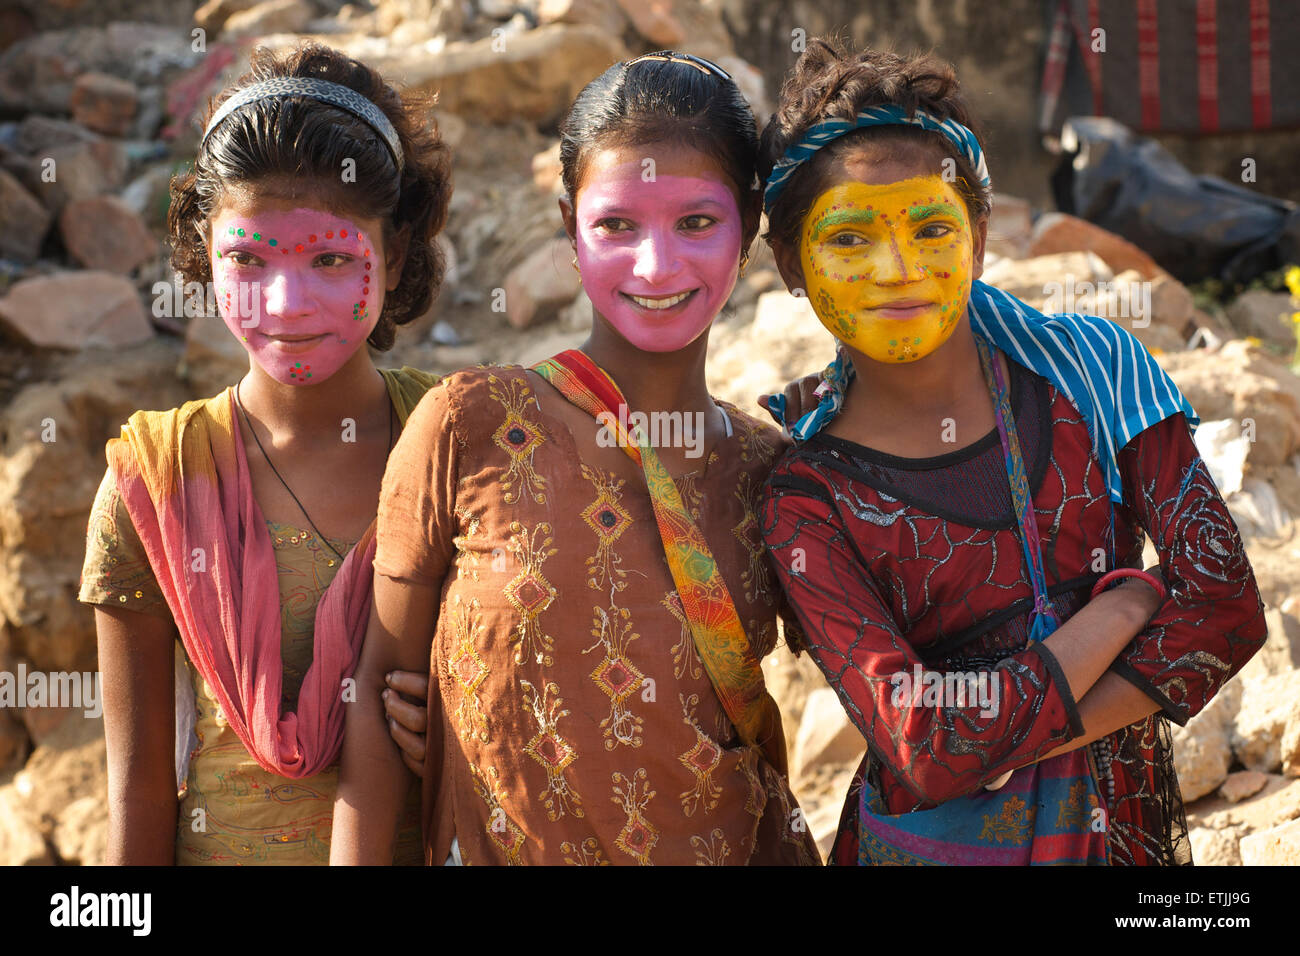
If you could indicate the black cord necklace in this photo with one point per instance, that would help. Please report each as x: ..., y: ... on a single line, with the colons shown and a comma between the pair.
x: 240, y: 405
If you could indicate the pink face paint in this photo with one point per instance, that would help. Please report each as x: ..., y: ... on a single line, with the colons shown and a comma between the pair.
x: 294, y: 288
x: 658, y: 257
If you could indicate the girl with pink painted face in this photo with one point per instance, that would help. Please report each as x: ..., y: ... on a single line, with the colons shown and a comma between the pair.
x: 572, y: 547
x: 229, y: 550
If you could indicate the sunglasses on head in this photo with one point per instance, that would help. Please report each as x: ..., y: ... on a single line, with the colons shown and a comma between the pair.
x: 701, y: 64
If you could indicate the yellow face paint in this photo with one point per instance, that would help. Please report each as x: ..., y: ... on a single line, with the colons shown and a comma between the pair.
x: 888, y: 268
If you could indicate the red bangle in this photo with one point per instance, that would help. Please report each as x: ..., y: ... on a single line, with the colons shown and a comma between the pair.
x: 1107, y: 579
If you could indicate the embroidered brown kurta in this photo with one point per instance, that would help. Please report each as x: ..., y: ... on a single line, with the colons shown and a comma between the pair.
x: 571, y: 720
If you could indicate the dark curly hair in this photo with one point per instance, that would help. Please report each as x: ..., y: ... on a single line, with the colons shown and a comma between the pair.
x: 829, y: 82
x: 646, y: 101
x: 295, y: 138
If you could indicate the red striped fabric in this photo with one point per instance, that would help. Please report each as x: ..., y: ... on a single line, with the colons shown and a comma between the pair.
x: 1261, y: 97
x: 1092, y: 59
x: 1207, y: 64
x: 1149, y: 63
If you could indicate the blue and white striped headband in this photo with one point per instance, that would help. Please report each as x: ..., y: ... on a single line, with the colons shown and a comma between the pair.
x: 820, y: 134
x: 335, y: 94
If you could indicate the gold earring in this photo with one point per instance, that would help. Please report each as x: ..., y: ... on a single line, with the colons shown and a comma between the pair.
x: 744, y: 262
x: 577, y: 269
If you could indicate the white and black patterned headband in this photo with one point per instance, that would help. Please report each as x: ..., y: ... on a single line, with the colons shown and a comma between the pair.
x: 334, y: 94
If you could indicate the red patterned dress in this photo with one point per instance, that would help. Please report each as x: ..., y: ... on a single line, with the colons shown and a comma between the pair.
x: 891, y: 562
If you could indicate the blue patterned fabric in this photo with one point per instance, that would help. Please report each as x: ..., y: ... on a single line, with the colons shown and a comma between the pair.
x: 820, y: 134
x: 1103, y: 370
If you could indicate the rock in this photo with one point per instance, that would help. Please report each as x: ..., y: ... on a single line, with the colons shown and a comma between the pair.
x: 1279, y: 846
x: 1060, y: 282
x: 149, y: 114
x: 1223, y: 446
x: 1203, y: 748
x: 148, y: 195
x: 1171, y: 303
x: 547, y: 171
x: 497, y: 9
x: 1241, y: 382
x: 1265, y: 315
x: 707, y: 33
x: 37, y: 74
x: 654, y: 20
x: 68, y: 162
x: 21, y: 840
x: 14, y: 742
x: 62, y: 774
x: 1215, y: 847
x: 533, y: 76
x: 1278, y: 655
x: 52, y: 436
x: 451, y: 128
x: 826, y: 735
x: 749, y: 79
x: 213, y: 358
x: 606, y: 17
x: 1059, y: 232
x: 1010, y: 226
x: 743, y: 362
x: 541, y: 284
x: 103, y: 103
x: 1242, y: 784
x: 576, y: 316
x: 1289, y: 748
x: 1267, y: 704
x: 1257, y: 511
x: 81, y: 833
x: 103, y: 233
x: 75, y: 310
x: 212, y: 16
x: 23, y: 221
x: 264, y: 19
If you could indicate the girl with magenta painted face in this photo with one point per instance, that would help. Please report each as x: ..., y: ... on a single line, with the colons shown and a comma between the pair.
x: 573, y: 546
x: 241, y: 527
x: 976, y: 478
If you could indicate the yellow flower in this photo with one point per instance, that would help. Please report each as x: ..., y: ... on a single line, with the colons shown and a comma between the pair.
x: 1293, y: 280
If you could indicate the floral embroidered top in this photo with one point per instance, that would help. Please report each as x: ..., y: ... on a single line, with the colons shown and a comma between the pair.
x: 576, y: 722
x: 893, y: 564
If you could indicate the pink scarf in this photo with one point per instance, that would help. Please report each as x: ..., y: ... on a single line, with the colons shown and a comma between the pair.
x: 184, y: 478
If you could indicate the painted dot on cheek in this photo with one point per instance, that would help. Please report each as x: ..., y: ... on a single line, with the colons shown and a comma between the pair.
x: 298, y: 247
x: 329, y: 235
x: 257, y: 237
x: 271, y: 242
x: 239, y: 232
x: 343, y: 233
x: 311, y: 238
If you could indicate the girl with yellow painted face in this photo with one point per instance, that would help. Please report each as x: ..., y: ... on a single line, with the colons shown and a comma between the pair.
x: 976, y: 477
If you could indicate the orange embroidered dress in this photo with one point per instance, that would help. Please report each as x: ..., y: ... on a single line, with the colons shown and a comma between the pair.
x: 571, y: 719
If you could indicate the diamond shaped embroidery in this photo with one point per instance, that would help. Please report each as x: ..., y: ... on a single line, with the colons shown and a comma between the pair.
x: 551, y: 751
x: 606, y: 518
x: 617, y: 677
x: 531, y: 592
x: 517, y: 436
x: 469, y: 669
x: 703, y: 757
x: 637, y: 839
